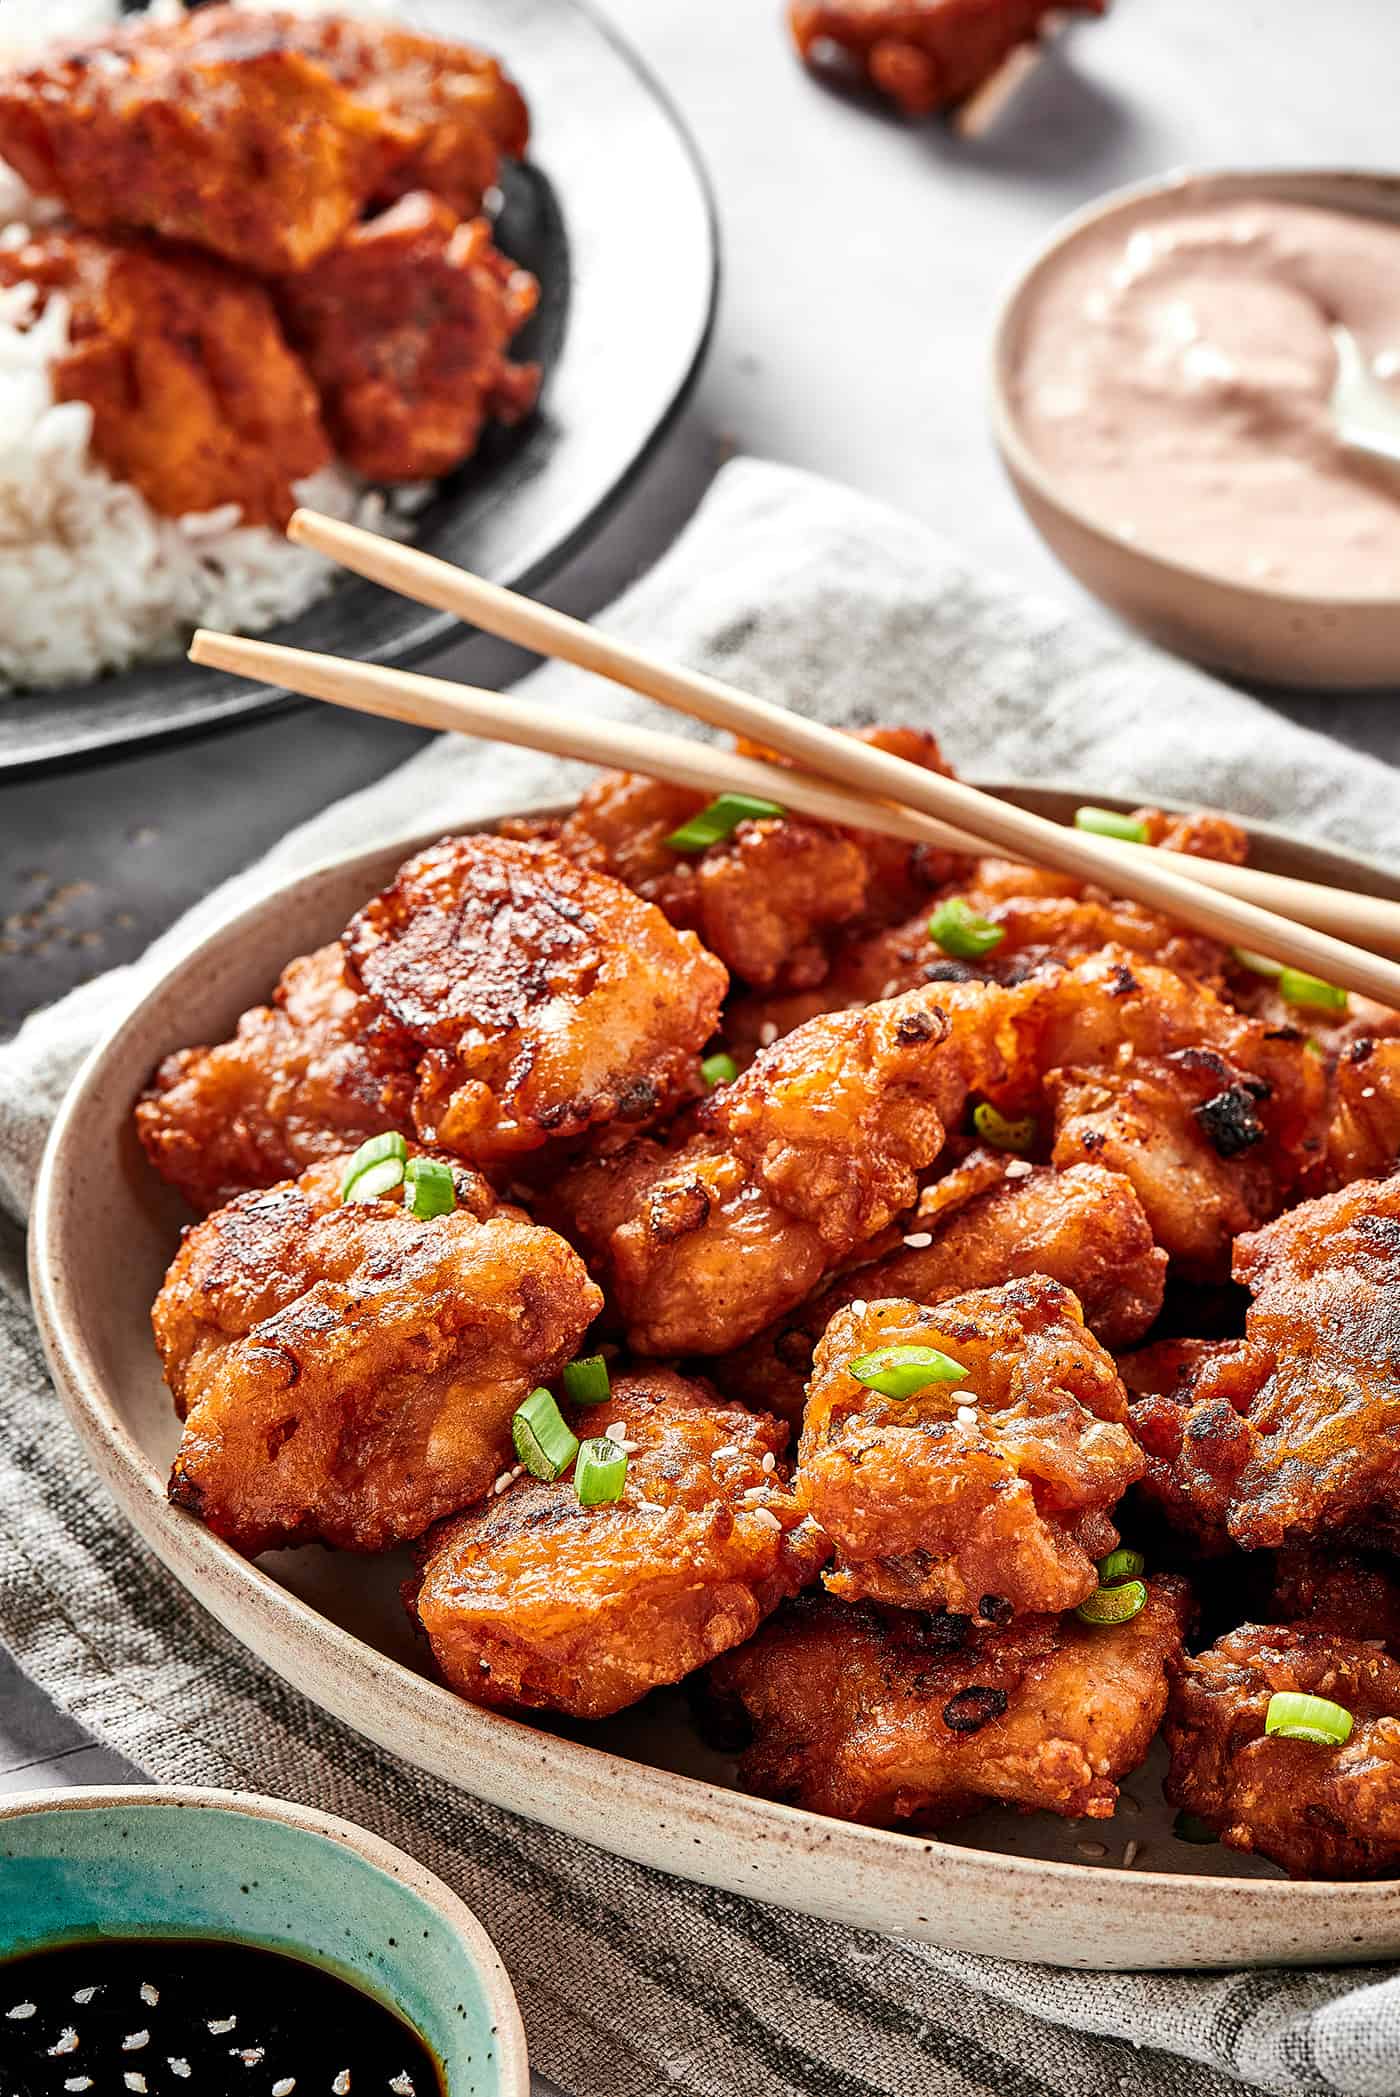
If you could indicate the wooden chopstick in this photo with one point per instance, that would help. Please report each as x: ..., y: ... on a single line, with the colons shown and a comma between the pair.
x: 1210, y: 903
x: 434, y: 702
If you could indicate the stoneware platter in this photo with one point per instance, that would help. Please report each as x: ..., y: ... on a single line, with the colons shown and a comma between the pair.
x: 1107, y: 1894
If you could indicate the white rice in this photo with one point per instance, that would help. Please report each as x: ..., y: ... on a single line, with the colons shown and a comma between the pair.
x: 92, y: 578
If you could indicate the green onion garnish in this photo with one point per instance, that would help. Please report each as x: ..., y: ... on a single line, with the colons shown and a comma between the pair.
x: 600, y: 1473
x: 718, y: 1069
x: 1106, y: 822
x: 994, y: 1128
x: 586, y: 1381
x: 1120, y: 1565
x: 543, y: 1442
x: 1113, y: 1605
x: 901, y: 1371
x: 1299, y: 988
x: 958, y: 929
x: 428, y: 1188
x: 376, y: 1168
x: 718, y: 820
x: 1297, y: 1717
x: 1258, y: 964
x: 1189, y: 1827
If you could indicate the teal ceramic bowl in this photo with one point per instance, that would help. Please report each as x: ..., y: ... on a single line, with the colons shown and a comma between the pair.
x: 187, y: 1863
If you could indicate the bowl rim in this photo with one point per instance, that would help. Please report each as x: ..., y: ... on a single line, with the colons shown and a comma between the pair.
x: 277, y: 1611
x: 1285, y: 184
x: 377, y: 1851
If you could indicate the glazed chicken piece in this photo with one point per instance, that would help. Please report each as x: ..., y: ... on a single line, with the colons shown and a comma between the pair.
x: 196, y: 398
x: 307, y: 1077
x: 1187, y: 1398
x: 989, y: 1496
x: 261, y: 137
x: 784, y: 1173
x: 1363, y: 1135
x: 346, y: 1372
x: 404, y: 326
x: 542, y: 999
x: 922, y: 55
x: 1321, y: 1811
x: 1343, y: 1591
x: 537, y: 1602
x: 893, y: 1718
x: 1084, y: 1228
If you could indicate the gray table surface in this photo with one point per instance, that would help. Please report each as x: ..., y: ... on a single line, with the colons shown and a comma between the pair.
x: 863, y: 264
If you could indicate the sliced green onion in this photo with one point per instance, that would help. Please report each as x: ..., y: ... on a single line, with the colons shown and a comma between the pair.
x: 376, y: 1168
x: 1113, y: 1605
x: 994, y: 1128
x: 718, y: 1069
x: 1120, y: 1565
x: 1106, y: 822
x: 1294, y: 1716
x: 957, y: 928
x: 428, y: 1188
x: 601, y: 1471
x: 901, y: 1371
x: 719, y: 820
x: 586, y: 1381
x: 1299, y: 988
x: 543, y: 1441
x: 1189, y: 1827
x: 1258, y: 964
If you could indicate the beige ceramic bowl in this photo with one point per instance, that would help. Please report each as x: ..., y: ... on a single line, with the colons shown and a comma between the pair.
x: 1022, y: 1887
x: 1269, y: 636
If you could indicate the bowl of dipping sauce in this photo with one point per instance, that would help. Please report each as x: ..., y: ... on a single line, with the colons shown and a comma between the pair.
x: 161, y: 1940
x: 1162, y: 375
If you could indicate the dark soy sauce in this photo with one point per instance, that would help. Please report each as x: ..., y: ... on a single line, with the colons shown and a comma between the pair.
x: 143, y: 2017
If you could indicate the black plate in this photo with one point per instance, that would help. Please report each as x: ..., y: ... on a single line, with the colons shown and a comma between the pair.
x: 615, y: 218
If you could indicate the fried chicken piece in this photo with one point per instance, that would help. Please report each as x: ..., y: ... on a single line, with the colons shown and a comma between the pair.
x: 988, y: 1496
x: 1342, y: 1591
x: 347, y: 1372
x: 922, y: 55
x: 537, y: 1602
x: 1363, y: 1136
x: 1320, y: 1812
x: 1187, y: 1401
x: 543, y: 999
x: 196, y: 398
x: 892, y: 1718
x: 404, y: 326
x: 307, y: 1077
x: 783, y: 1173
x: 1084, y: 1228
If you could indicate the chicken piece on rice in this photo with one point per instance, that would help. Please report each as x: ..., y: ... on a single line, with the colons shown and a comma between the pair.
x: 922, y: 55
x: 894, y: 1718
x: 537, y: 1602
x: 307, y: 1077
x: 989, y: 1495
x: 347, y: 1372
x: 1084, y: 1228
x: 404, y: 326
x: 785, y: 1172
x: 196, y: 398
x: 542, y: 999
x: 1319, y: 1810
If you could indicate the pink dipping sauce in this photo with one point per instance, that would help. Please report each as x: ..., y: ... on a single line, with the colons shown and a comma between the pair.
x: 1172, y: 377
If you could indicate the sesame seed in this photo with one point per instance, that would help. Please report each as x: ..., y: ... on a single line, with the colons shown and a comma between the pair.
x: 341, y: 2085
x: 78, y: 2082
x: 917, y: 1240
x: 766, y: 1514
x: 177, y: 2066
x: 729, y: 1449
x: 135, y: 2040
x: 1019, y: 1169
x: 135, y: 2082
x: 21, y: 2010
x: 615, y: 1430
x: 754, y: 1496
x: 219, y: 2025
x: 768, y: 1033
x: 650, y: 1507
x: 1130, y: 1851
x: 628, y: 1448
x: 501, y: 1483
x: 149, y: 1995
x: 67, y: 2042
x: 249, y: 2055
x: 1092, y: 1849
x: 968, y: 1415
x: 770, y: 1462
x: 887, y: 990
x: 401, y: 2085
x: 859, y: 1306
x: 83, y: 1995
x: 285, y: 2087
x: 1368, y: 1092
x: 485, y: 1666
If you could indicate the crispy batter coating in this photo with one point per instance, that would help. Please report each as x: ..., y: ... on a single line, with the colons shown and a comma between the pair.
x: 983, y: 1496
x: 347, y: 1372
x: 923, y: 55
x: 544, y: 999
x: 196, y: 398
x: 1188, y: 1397
x: 404, y: 326
x: 812, y: 1151
x: 892, y: 1718
x: 1320, y: 1812
x: 1340, y: 1591
x: 1363, y: 1136
x: 537, y: 1602
x: 307, y: 1077
x: 1084, y: 1228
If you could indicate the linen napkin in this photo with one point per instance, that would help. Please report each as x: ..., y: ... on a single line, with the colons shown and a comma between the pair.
x: 632, y: 1983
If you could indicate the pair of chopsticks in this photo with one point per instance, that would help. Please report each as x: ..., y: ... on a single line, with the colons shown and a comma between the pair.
x: 836, y: 779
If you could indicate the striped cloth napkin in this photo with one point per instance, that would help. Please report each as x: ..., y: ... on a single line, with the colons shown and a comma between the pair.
x: 632, y: 1983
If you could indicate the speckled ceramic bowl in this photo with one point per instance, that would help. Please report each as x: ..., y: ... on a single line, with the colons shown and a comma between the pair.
x: 190, y: 1863
x: 1282, y: 637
